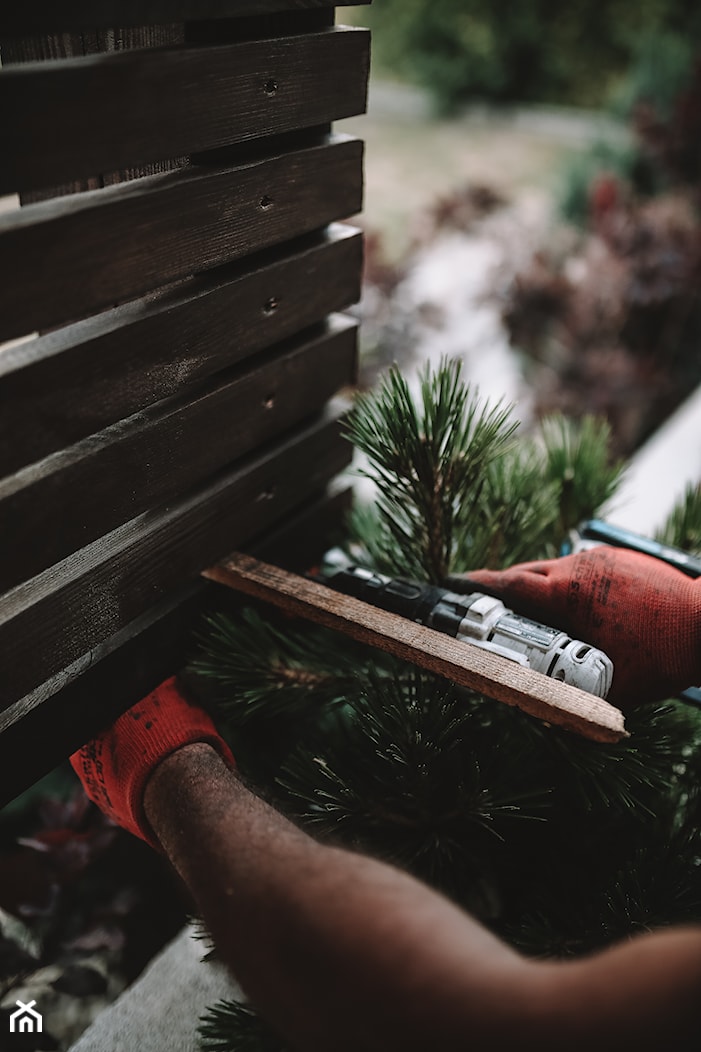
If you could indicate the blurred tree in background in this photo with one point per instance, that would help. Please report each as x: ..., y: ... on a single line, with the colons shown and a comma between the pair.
x: 533, y: 50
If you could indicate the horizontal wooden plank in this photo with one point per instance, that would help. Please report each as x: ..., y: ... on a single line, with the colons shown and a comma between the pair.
x: 71, y: 383
x: 48, y: 16
x: 48, y: 47
x: 64, y: 259
x: 46, y: 726
x: 17, y: 50
x: 301, y: 540
x: 105, y: 683
x: 460, y: 662
x: 49, y: 622
x: 162, y: 453
x: 75, y: 118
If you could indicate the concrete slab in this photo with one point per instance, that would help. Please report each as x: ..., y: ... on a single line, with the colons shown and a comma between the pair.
x: 160, y: 1012
x: 659, y: 473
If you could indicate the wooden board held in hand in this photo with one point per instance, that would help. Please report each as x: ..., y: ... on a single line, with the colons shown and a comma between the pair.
x: 462, y: 663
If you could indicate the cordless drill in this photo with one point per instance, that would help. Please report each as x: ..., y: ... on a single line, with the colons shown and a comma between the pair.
x: 483, y: 621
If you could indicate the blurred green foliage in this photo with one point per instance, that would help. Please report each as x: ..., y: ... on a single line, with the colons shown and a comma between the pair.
x: 659, y: 98
x: 660, y: 68
x: 531, y: 50
x: 621, y: 160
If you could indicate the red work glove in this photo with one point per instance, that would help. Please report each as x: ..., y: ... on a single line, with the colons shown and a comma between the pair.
x: 115, y: 767
x: 640, y: 611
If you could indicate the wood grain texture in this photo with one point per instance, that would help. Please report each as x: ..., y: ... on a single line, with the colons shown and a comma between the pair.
x: 19, y: 50
x: 77, y: 118
x: 48, y: 16
x: 230, y: 259
x: 106, y: 682
x: 57, y: 718
x: 161, y: 453
x: 78, y: 380
x: 48, y: 622
x: 64, y: 259
x: 462, y: 663
x: 302, y: 539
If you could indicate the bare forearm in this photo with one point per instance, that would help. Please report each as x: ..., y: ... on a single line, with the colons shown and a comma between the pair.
x: 338, y: 951
x: 342, y: 952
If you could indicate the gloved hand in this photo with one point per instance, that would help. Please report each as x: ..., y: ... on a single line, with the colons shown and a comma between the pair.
x: 640, y: 611
x: 115, y: 767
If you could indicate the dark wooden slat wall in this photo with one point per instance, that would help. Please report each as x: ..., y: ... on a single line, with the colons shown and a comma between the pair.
x: 142, y: 106
x: 48, y: 16
x: 109, y: 583
x: 16, y: 51
x: 173, y: 407
x: 71, y: 383
x: 98, y: 484
x: 66, y: 258
x: 49, y: 725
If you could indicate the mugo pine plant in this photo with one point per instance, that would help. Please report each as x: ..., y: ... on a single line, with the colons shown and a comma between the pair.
x: 557, y: 843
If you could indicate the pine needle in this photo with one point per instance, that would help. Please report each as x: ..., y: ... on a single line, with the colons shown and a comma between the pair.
x: 517, y: 517
x: 428, y: 459
x: 577, y: 461
x: 439, y: 780
x: 412, y: 774
x: 230, y: 1026
x: 683, y: 526
x: 262, y: 671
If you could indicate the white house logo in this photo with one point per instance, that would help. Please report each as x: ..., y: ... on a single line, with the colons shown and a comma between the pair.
x: 25, y: 1020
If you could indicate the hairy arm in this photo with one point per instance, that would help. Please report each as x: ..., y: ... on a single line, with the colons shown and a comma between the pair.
x: 339, y: 951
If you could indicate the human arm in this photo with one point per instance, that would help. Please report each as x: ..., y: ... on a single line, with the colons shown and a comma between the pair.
x: 339, y: 951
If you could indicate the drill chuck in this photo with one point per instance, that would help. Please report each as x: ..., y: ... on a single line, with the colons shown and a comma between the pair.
x: 485, y: 622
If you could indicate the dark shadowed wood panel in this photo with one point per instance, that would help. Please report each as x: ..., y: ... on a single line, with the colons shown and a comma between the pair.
x: 64, y: 259
x: 119, y: 109
x: 45, y: 727
x: 71, y: 383
x: 194, y: 272
x: 300, y: 540
x: 103, y: 684
x: 18, y: 50
x: 50, y: 621
x: 49, y: 16
x: 161, y: 453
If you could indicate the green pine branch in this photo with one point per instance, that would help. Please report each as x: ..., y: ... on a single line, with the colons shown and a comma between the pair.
x: 516, y: 519
x: 440, y: 780
x: 260, y: 671
x: 414, y: 774
x: 649, y: 879
x: 428, y: 459
x: 683, y: 526
x: 231, y: 1026
x: 578, y: 463
x: 454, y: 491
